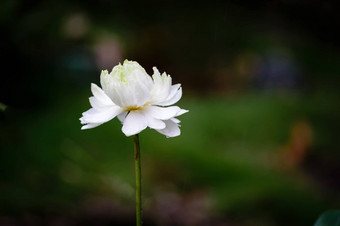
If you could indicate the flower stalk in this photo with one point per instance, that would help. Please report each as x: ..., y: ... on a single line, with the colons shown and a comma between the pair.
x: 139, y: 101
x: 138, y: 182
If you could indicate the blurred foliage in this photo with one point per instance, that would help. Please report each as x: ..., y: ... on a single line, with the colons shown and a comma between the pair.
x: 232, y: 150
x: 258, y: 147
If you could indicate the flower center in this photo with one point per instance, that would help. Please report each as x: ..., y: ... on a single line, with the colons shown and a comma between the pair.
x: 133, y: 108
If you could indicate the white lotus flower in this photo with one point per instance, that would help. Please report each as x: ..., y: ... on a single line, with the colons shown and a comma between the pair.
x: 137, y: 100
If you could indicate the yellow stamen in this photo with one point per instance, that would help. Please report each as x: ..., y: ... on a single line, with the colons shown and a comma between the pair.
x: 133, y: 108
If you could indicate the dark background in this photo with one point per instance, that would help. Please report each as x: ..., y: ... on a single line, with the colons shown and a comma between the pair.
x: 260, y: 145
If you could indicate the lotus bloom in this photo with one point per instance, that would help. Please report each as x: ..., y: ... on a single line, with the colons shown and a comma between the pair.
x: 136, y: 99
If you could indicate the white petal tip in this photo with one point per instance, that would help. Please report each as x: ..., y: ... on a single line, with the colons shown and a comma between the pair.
x: 84, y: 127
x: 82, y: 120
x: 90, y: 126
x: 181, y: 112
x: 129, y: 134
x: 175, y: 135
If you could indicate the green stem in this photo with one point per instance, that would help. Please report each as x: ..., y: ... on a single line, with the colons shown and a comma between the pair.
x: 138, y: 182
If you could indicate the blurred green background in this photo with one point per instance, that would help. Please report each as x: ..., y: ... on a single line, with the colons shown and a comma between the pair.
x: 260, y: 145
